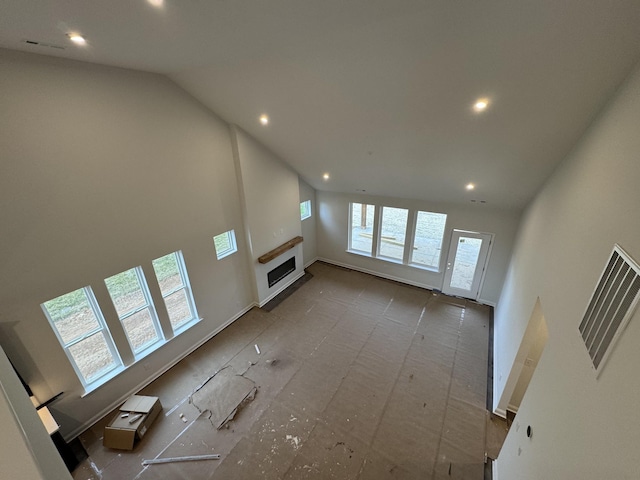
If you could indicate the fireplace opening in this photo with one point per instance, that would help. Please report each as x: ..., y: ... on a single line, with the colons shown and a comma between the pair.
x: 281, y: 271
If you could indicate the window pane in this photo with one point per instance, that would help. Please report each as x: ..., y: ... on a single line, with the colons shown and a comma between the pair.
x: 140, y: 329
x: 305, y: 209
x: 465, y: 262
x: 427, y: 244
x: 72, y: 315
x: 392, y: 232
x: 361, y: 227
x: 168, y: 273
x: 129, y: 293
x: 93, y: 357
x: 125, y: 291
x: 225, y: 244
x: 178, y: 308
x: 172, y: 278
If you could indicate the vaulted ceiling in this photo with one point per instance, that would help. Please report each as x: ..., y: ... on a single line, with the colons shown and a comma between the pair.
x: 376, y: 93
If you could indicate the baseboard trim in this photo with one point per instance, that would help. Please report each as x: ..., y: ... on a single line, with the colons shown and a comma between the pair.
x: 308, y: 264
x: 500, y: 413
x: 487, y: 302
x: 378, y: 274
x: 281, y: 289
x: 85, y: 426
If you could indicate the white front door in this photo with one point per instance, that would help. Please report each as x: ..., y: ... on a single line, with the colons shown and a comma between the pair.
x: 468, y: 255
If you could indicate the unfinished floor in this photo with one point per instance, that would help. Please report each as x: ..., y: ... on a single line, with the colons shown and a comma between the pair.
x: 357, y: 378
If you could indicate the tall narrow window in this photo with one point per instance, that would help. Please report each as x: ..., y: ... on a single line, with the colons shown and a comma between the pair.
x: 305, y: 209
x: 80, y: 328
x: 427, y: 243
x: 131, y: 298
x: 225, y: 244
x: 174, y: 285
x: 393, y: 229
x: 361, y: 228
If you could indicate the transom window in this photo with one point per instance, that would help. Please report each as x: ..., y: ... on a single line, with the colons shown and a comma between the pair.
x: 225, y: 244
x: 80, y: 328
x: 400, y: 235
x: 305, y: 209
x: 174, y: 285
x: 131, y: 298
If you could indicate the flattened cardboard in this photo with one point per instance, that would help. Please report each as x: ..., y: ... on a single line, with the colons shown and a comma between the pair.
x: 122, y: 433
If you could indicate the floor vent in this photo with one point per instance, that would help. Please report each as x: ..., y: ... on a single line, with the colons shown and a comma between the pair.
x: 611, y: 306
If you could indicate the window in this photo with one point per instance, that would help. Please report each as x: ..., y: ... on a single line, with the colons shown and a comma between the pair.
x: 427, y: 241
x: 174, y: 285
x: 361, y: 231
x: 80, y: 328
x: 305, y: 209
x: 393, y: 229
x: 399, y: 235
x: 225, y: 244
x: 131, y: 298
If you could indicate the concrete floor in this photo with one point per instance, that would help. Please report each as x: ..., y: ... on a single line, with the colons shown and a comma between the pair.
x: 358, y: 378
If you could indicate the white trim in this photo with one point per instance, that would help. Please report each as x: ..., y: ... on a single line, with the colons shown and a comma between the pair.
x: 308, y: 264
x: 486, y: 302
x: 277, y: 292
x: 500, y: 412
x: 494, y: 469
x: 74, y: 433
x: 378, y: 274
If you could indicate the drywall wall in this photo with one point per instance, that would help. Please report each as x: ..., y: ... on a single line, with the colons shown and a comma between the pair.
x: 333, y: 231
x: 105, y: 169
x: 271, y: 201
x: 309, y: 248
x: 26, y: 450
x: 583, y: 427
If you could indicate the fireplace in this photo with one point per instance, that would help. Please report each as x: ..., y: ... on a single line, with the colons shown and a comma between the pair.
x: 281, y: 271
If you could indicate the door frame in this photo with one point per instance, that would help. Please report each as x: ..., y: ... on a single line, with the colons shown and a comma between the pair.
x: 453, y: 248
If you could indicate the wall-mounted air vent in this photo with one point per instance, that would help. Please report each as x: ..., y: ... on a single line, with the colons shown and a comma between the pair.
x: 35, y: 43
x: 611, y: 306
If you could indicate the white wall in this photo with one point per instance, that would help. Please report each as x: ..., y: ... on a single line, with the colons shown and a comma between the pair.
x: 309, y: 246
x: 271, y: 201
x: 26, y: 450
x: 584, y: 427
x: 333, y: 220
x: 104, y: 169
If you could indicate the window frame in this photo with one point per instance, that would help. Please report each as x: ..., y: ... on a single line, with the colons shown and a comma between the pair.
x: 307, y: 206
x: 231, y: 235
x: 374, y: 237
x: 186, y: 286
x: 410, y: 259
x: 409, y: 240
x: 381, y: 239
x: 103, y: 328
x: 144, y: 288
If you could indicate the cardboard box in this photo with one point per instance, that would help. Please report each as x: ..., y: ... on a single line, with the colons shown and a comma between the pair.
x: 122, y: 433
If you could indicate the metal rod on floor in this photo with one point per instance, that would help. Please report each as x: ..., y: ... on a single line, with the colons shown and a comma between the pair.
x: 192, y: 458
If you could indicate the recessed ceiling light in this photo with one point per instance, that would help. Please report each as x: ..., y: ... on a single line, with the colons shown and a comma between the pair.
x: 264, y: 119
x: 325, y: 176
x: 156, y: 3
x: 77, y: 39
x: 481, y: 105
x: 470, y: 186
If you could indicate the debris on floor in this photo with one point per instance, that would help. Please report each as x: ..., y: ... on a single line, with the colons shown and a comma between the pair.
x: 192, y: 458
x: 222, y: 396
